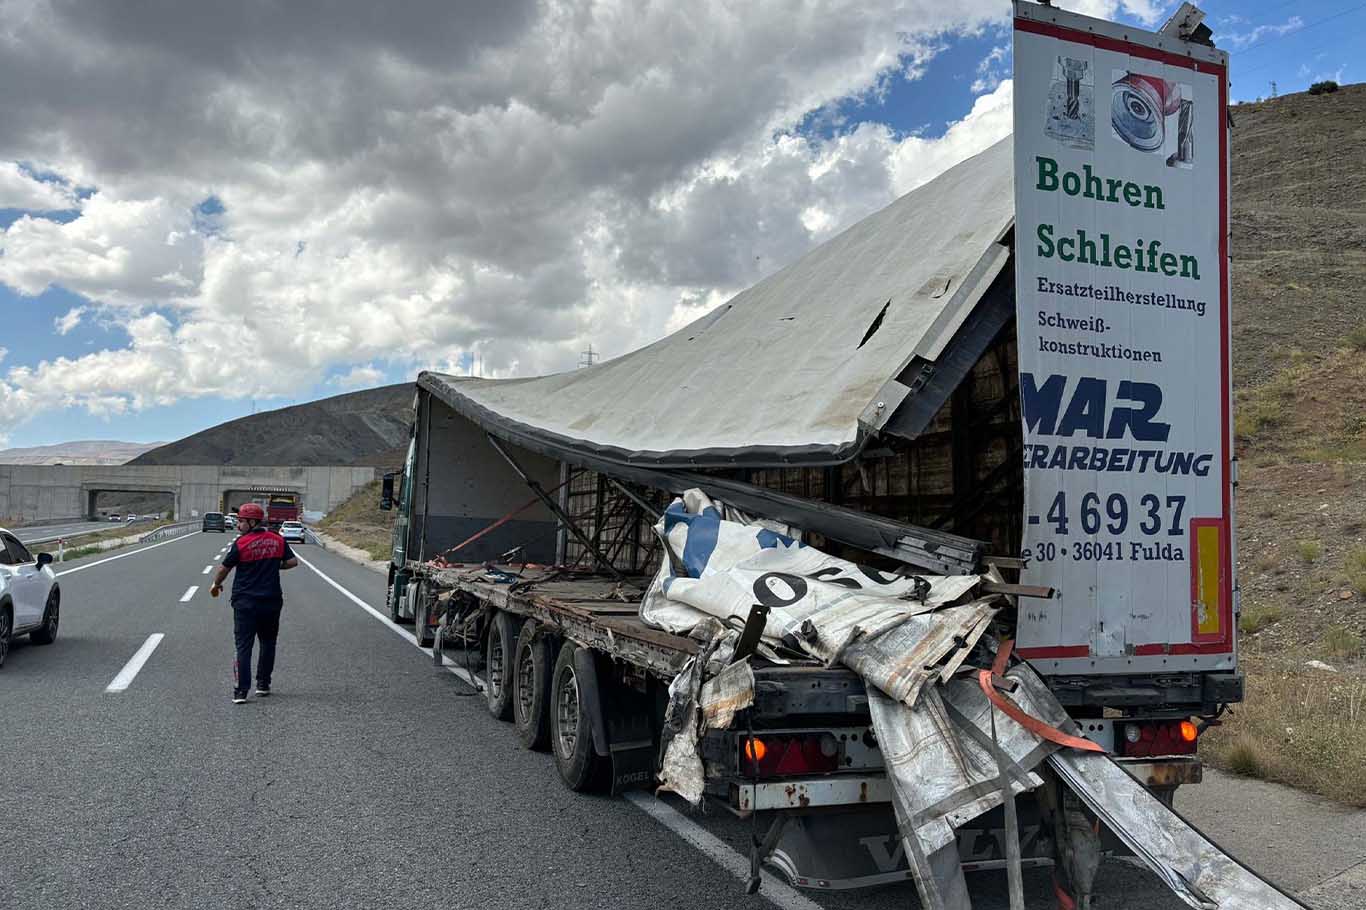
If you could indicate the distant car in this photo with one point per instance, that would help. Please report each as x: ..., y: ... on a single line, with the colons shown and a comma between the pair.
x: 213, y: 521
x: 29, y: 597
x: 131, y: 517
x: 232, y: 519
x: 116, y: 518
x: 294, y: 531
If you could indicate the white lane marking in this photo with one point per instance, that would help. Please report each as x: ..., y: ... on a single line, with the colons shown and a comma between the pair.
x: 135, y: 663
x: 100, y: 562
x: 189, y: 592
x: 411, y: 638
x: 776, y: 891
x: 207, y: 570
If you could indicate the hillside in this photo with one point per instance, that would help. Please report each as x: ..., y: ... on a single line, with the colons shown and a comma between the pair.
x: 1299, y: 230
x: 1298, y: 206
x: 86, y: 451
x: 360, y: 428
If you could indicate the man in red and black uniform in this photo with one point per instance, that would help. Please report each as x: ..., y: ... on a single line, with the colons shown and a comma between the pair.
x: 259, y: 555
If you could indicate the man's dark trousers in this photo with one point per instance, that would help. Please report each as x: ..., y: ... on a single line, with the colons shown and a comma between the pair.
x: 253, y: 619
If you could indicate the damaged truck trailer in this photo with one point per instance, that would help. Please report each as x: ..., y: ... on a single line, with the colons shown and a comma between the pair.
x: 819, y: 546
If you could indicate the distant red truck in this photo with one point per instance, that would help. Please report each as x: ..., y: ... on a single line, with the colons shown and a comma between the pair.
x: 280, y: 508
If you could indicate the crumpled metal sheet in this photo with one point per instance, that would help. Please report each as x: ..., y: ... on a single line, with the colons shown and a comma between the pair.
x: 902, y: 658
x: 1189, y: 863
x: 681, y: 769
x: 939, y: 758
x: 723, y: 695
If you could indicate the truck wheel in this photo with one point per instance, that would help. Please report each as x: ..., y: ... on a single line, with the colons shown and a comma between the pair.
x: 530, y: 712
x: 421, y: 629
x: 391, y: 601
x: 46, y: 634
x: 498, y: 664
x: 571, y: 732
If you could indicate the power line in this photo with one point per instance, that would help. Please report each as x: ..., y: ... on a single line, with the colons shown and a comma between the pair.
x: 1302, y: 28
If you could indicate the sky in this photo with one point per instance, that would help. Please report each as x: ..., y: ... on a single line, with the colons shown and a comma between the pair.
x: 205, y: 211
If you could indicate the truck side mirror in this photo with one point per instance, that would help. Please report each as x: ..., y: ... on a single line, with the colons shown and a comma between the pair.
x: 386, y: 493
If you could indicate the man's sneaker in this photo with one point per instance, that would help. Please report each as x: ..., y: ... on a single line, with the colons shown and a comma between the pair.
x: 239, y: 698
x: 262, y: 691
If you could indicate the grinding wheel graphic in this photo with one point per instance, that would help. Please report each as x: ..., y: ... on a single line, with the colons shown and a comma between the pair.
x: 1139, y: 107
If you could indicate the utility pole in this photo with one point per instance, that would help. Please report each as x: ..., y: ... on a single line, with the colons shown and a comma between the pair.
x: 586, y: 357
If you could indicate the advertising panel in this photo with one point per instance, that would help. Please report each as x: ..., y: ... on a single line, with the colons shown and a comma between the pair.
x: 1121, y: 183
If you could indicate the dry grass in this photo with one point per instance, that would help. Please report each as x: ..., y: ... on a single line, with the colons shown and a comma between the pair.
x: 1341, y: 643
x: 1356, y: 339
x: 1256, y: 618
x: 358, y: 522
x: 1302, y: 728
x: 1354, y: 567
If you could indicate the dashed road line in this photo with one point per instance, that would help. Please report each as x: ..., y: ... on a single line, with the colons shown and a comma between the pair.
x: 130, y: 669
x: 189, y: 592
x: 207, y: 570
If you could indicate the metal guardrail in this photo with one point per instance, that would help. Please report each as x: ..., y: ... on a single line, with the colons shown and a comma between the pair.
x: 166, y: 532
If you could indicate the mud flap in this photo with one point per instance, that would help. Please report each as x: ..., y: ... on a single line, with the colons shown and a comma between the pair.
x: 619, y: 717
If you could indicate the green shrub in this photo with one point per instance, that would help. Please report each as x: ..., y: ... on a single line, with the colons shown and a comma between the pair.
x: 1356, y: 339
x: 1308, y: 550
x: 1327, y: 86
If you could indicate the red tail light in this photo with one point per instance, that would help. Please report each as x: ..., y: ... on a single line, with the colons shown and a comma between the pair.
x: 1153, y: 738
x: 789, y: 755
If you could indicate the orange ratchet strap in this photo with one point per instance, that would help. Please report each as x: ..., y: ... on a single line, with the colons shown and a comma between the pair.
x: 987, y: 680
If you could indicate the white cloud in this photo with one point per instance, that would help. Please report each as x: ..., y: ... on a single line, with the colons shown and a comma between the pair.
x: 991, y: 70
x: 69, y: 320
x: 519, y: 178
x: 1240, y: 40
x: 19, y: 189
x: 360, y: 377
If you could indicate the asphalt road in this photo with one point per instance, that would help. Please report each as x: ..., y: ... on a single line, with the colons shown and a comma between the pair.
x: 372, y: 778
x: 46, y: 533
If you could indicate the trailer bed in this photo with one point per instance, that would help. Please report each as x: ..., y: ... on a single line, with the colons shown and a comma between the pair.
x: 593, y: 610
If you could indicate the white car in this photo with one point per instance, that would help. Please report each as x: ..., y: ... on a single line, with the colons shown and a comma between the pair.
x: 29, y: 599
x: 294, y: 531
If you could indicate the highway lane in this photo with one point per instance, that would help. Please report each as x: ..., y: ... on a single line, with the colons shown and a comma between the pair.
x: 371, y: 778
x: 38, y: 534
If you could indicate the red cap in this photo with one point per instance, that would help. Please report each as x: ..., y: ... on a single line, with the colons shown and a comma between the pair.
x: 251, y: 510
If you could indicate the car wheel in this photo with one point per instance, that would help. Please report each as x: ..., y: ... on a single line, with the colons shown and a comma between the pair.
x: 46, y: 634
x: 6, y: 630
x: 531, y: 673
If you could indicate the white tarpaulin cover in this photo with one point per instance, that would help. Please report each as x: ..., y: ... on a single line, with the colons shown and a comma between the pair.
x: 794, y: 365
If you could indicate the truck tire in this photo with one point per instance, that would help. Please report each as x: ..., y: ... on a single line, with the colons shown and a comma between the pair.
x: 530, y: 706
x: 502, y: 642
x: 46, y: 634
x: 571, y: 730
x: 421, y: 630
x: 391, y: 601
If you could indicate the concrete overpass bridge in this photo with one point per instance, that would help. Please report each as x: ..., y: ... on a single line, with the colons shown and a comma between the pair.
x: 38, y: 492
